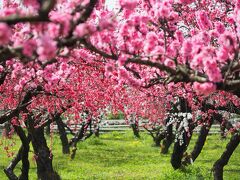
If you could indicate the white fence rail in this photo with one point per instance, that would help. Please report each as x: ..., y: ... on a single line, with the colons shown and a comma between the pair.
x: 121, y: 125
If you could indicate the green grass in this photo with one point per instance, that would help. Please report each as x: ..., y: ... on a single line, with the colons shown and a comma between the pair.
x: 121, y: 156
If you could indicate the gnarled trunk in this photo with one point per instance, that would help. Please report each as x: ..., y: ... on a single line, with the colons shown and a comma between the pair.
x: 200, y: 141
x: 180, y: 147
x: 178, y: 151
x: 158, y: 138
x: 80, y: 135
x: 7, y: 128
x: 21, y: 155
x: 43, y: 156
x: 198, y: 146
x: 169, y: 137
x: 63, y: 134
x: 223, y: 160
x: 135, y: 129
x: 48, y: 129
x: 97, y: 132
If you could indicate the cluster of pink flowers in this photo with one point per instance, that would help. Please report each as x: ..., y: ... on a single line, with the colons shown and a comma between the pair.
x: 5, y: 34
x: 212, y: 70
x: 186, y: 1
x: 64, y: 19
x: 151, y: 42
x: 187, y: 48
x: 32, y: 3
x: 129, y: 4
x: 203, y: 22
x: 125, y: 76
x: 204, y: 88
x: 47, y: 48
x: 29, y: 47
x: 84, y: 29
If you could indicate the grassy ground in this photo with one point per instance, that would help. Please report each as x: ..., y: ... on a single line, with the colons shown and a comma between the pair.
x: 121, y: 156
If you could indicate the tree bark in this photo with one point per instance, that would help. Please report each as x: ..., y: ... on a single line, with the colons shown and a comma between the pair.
x: 97, y: 132
x: 48, y: 129
x: 63, y: 134
x: 222, y: 129
x: 135, y: 129
x: 43, y: 156
x: 21, y: 155
x: 24, y: 154
x: 198, y: 145
x: 74, y: 141
x: 80, y: 135
x: 178, y: 151
x: 223, y: 160
x: 180, y: 148
x: 7, y: 128
x: 169, y: 137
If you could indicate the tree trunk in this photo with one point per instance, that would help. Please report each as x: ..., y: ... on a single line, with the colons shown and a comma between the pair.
x: 158, y: 138
x: 222, y: 129
x: 73, y: 142
x: 179, y: 149
x: 201, y: 140
x: 24, y: 154
x: 63, y: 134
x: 198, y: 145
x: 43, y: 156
x: 223, y: 160
x: 80, y: 135
x: 21, y: 155
x: 7, y: 128
x: 135, y: 129
x: 48, y: 129
x: 97, y: 132
x: 169, y: 137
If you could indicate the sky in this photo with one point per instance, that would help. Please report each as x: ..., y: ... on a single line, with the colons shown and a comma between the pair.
x: 111, y: 4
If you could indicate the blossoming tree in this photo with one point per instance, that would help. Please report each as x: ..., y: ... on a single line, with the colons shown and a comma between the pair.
x: 143, y: 43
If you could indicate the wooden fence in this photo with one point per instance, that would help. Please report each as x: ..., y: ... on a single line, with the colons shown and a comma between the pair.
x: 121, y: 126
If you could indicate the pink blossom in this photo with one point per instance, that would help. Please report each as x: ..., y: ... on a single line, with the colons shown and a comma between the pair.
x: 162, y: 9
x: 22, y: 82
x: 29, y: 47
x: 186, y: 1
x: 84, y: 29
x: 63, y: 19
x: 227, y: 40
x: 123, y: 74
x: 17, y: 88
x: 179, y: 36
x: 121, y: 60
x: 33, y: 3
x: 5, y: 34
x: 129, y: 4
x: 64, y: 66
x: 169, y: 63
x: 187, y: 48
x: 151, y: 42
x: 47, y: 48
x: 81, y: 30
x: 108, y: 69
x: 124, y: 30
x: 203, y: 22
x: 222, y: 54
x: 204, y: 88
x: 53, y: 30
x: 1, y: 68
x: 212, y: 70
x: 219, y: 27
